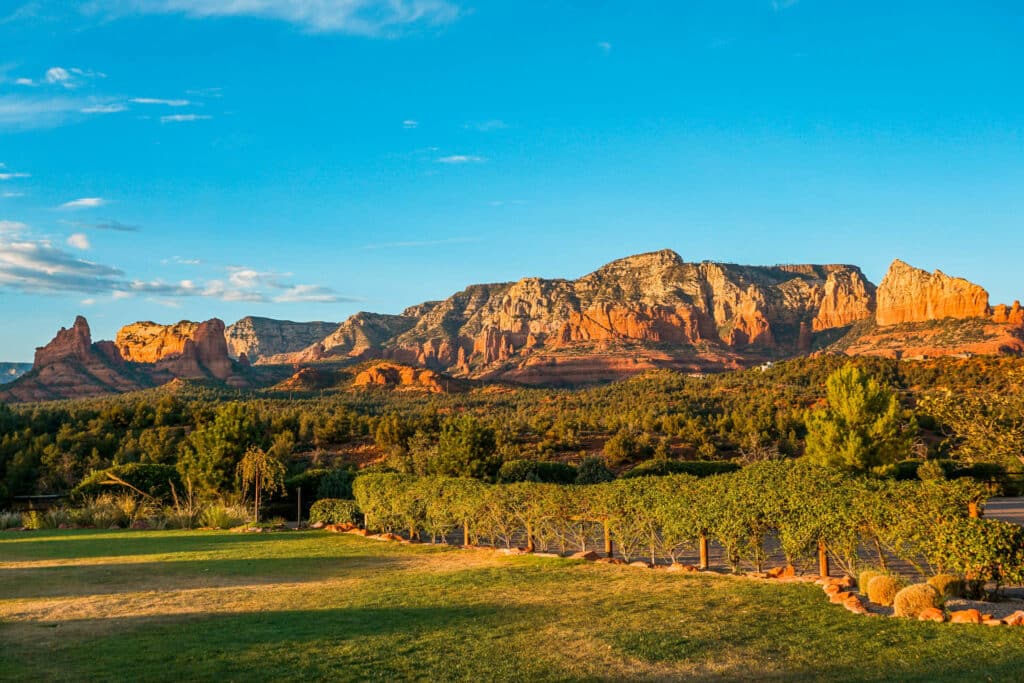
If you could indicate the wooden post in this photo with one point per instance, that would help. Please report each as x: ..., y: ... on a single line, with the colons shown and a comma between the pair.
x: 972, y: 510
x: 608, y: 549
x: 823, y: 569
x: 299, y: 508
x: 703, y: 542
x: 529, y: 538
x: 465, y: 534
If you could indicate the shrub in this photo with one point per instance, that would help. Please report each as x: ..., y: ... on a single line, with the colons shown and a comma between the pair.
x: 910, y: 601
x: 33, y: 519
x: 335, y: 511
x: 219, y: 516
x: 865, y: 578
x: 696, y: 468
x: 536, y: 471
x: 10, y: 520
x: 882, y: 589
x: 948, y: 585
x: 930, y: 470
x: 592, y: 471
x: 100, y: 512
x: 335, y: 484
x: 982, y: 550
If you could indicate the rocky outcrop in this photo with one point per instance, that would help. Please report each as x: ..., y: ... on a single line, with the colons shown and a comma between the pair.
x: 360, y: 334
x: 144, y: 355
x: 149, y: 342
x: 847, y: 298
x: 71, y: 366
x: 258, y: 338
x: 910, y: 295
x: 402, y: 377
x: 655, y: 309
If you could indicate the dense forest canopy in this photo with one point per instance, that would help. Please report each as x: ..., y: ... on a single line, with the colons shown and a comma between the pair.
x: 971, y: 410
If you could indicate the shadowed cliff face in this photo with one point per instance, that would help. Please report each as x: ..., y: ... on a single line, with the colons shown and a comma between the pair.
x: 262, y: 337
x: 655, y: 308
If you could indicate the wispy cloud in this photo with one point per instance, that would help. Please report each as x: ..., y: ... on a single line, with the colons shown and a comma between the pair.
x: 310, y: 294
x: 27, y: 112
x: 115, y: 226
x: 409, y: 124
x: 166, y: 103
x: 112, y: 108
x: 421, y: 243
x: 25, y: 81
x: 605, y: 47
x: 13, y: 176
x: 79, y: 240
x: 11, y: 195
x: 69, y: 78
x: 183, y: 118
x: 375, y: 18
x: 779, y: 5
x: 12, y: 226
x: 36, y: 266
x: 83, y: 203
x: 461, y: 159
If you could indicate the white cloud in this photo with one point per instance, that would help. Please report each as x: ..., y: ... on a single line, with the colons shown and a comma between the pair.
x: 410, y: 123
x: 59, y: 76
x: 12, y: 176
x: 166, y: 103
x: 11, y: 195
x: 103, y: 108
x: 25, y: 112
x: 36, y: 266
x: 461, y: 159
x: 25, y: 81
x: 179, y: 118
x: 83, y: 203
x: 308, y: 294
x: 79, y: 240
x: 382, y: 18
x: 12, y: 226
x: 605, y: 47
x: 779, y: 5
x: 88, y: 302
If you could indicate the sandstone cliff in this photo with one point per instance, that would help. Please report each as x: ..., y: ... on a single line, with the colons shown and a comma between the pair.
x: 655, y: 310
x: 402, y: 377
x: 144, y: 355
x: 261, y: 337
x: 909, y: 295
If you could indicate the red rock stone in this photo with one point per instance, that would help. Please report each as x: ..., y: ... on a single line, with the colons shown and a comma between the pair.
x: 965, y: 616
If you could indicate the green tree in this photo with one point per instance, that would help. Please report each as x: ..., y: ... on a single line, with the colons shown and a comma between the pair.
x: 862, y: 428
x: 263, y: 472
x: 465, y: 449
x: 210, y: 455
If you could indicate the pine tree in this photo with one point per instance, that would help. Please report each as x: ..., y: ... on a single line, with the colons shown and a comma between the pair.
x: 862, y: 428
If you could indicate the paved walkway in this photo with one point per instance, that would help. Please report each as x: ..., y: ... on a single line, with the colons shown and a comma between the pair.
x: 1006, y: 509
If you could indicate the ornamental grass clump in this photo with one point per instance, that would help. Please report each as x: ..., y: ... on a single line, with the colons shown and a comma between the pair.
x: 948, y: 585
x: 882, y: 589
x: 865, y: 578
x: 912, y: 600
x: 10, y: 520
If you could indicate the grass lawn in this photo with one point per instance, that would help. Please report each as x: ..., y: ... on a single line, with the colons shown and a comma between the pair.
x: 105, y: 605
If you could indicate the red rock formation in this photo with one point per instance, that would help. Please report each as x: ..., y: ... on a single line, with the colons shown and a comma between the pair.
x: 1008, y: 315
x: 908, y: 294
x: 74, y: 343
x: 847, y: 298
x: 394, y: 376
x: 149, y: 342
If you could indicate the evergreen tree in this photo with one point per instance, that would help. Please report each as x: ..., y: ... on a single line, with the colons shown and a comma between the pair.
x: 862, y: 428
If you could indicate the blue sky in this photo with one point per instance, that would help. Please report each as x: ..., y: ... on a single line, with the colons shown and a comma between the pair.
x: 306, y: 159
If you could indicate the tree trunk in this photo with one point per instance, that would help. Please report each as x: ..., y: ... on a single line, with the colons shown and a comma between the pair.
x: 703, y: 542
x: 608, y: 549
x: 823, y: 569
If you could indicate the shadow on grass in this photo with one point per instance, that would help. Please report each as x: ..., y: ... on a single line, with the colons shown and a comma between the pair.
x: 336, y: 644
x: 84, y: 543
x: 107, y: 579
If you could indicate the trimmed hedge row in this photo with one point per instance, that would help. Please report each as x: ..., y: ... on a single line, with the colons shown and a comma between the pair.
x: 662, y: 517
x: 334, y: 511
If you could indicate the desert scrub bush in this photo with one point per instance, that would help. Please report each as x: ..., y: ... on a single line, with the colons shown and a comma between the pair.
x: 948, y: 585
x: 220, y: 516
x: 910, y: 601
x: 882, y: 589
x: 865, y: 578
x: 10, y: 520
x: 334, y: 511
